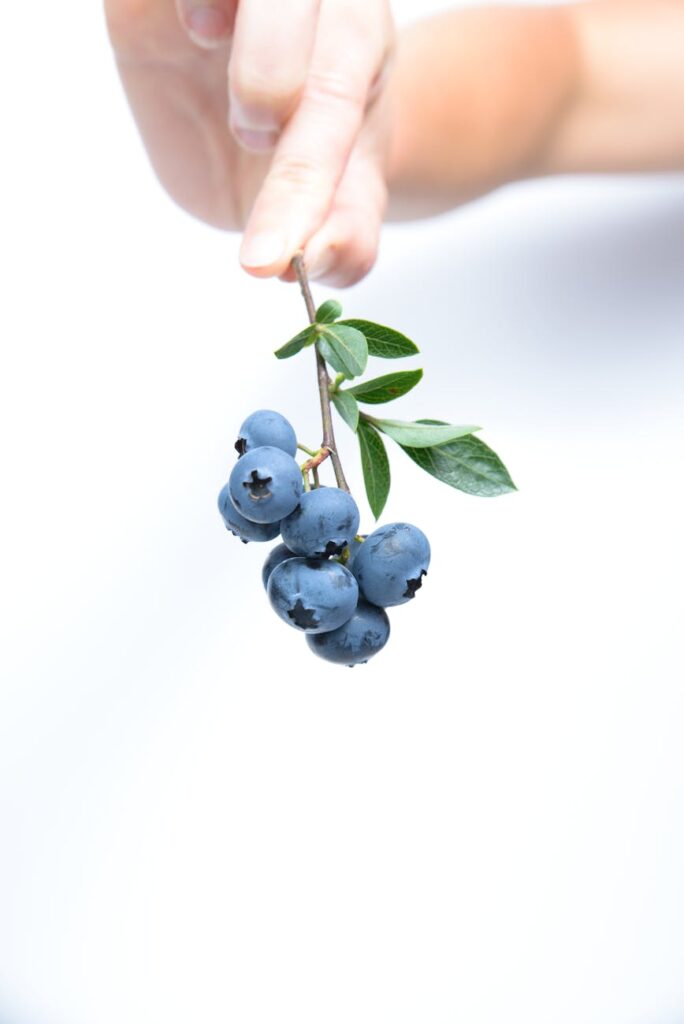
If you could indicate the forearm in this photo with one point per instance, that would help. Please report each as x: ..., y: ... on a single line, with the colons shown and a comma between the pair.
x: 484, y: 97
x: 628, y: 112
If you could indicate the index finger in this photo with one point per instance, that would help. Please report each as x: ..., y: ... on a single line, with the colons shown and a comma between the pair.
x: 315, y: 146
x: 272, y: 47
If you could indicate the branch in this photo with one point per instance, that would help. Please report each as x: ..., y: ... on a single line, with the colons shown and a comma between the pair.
x: 328, y: 444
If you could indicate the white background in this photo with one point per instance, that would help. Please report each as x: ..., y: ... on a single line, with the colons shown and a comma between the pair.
x: 201, y: 822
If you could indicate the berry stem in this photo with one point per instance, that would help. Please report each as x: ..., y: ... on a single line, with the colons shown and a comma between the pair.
x: 307, y: 451
x: 314, y: 462
x: 328, y: 445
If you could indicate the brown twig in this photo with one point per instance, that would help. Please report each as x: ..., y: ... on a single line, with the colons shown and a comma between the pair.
x: 328, y: 446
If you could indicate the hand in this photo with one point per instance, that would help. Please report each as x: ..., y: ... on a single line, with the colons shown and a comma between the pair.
x: 269, y: 117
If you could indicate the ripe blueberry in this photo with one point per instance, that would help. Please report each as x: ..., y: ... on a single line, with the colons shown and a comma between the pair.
x: 313, y: 595
x: 266, y: 427
x: 324, y: 523
x: 391, y: 563
x: 265, y: 485
x: 280, y: 553
x: 357, y: 640
x: 241, y: 527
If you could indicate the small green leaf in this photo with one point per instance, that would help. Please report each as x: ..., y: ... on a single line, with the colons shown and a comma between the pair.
x: 328, y: 312
x: 387, y: 388
x: 344, y: 348
x: 346, y: 405
x: 296, y: 344
x: 383, y: 341
x: 375, y: 465
x: 421, y: 434
x: 467, y: 464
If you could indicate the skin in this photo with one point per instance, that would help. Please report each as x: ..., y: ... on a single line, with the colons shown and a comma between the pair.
x: 306, y: 124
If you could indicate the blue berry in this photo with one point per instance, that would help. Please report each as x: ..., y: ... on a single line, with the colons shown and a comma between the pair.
x: 357, y: 640
x: 266, y: 427
x: 313, y: 595
x: 323, y: 524
x: 391, y: 563
x: 280, y: 553
x: 241, y: 527
x: 265, y: 485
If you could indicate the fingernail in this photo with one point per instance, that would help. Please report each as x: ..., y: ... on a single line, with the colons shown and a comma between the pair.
x: 261, y: 250
x: 254, y: 129
x: 207, y: 26
x: 254, y: 140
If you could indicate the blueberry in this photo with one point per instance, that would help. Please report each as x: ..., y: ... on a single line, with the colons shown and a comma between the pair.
x: 241, y: 527
x: 324, y: 523
x: 266, y: 427
x: 391, y: 563
x: 313, y: 595
x: 265, y: 485
x: 357, y: 640
x: 280, y: 553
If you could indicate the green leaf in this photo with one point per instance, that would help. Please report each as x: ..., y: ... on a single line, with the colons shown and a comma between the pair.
x: 328, y: 312
x: 383, y: 341
x: 387, y: 388
x: 375, y: 465
x: 344, y: 348
x: 296, y: 344
x: 467, y: 464
x: 346, y: 405
x: 421, y: 434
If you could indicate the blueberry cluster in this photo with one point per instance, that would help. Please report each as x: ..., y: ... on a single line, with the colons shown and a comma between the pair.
x: 323, y: 579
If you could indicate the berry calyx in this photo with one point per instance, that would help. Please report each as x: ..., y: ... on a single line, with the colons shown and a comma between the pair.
x: 312, y: 595
x: 391, y: 563
x: 265, y: 485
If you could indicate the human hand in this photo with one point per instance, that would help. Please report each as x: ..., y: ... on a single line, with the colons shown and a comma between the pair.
x: 272, y: 118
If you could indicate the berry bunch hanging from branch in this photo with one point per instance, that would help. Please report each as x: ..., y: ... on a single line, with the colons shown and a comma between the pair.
x: 325, y: 579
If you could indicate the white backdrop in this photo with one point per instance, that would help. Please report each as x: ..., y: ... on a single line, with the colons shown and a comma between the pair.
x: 201, y: 822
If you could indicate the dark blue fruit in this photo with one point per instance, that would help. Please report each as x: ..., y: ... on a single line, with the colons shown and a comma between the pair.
x: 323, y: 524
x: 391, y: 563
x: 266, y: 427
x: 356, y: 640
x: 280, y: 553
x: 241, y: 527
x: 265, y: 485
x: 313, y: 595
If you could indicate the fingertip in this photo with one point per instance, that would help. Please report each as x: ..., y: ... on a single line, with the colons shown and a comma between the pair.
x: 347, y: 276
x: 208, y: 25
x: 345, y: 249
x: 263, y: 254
x: 343, y: 261
x: 261, y: 249
x: 320, y: 264
x: 288, y: 275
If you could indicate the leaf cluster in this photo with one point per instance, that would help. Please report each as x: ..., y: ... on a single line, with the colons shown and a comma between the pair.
x: 452, y: 454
